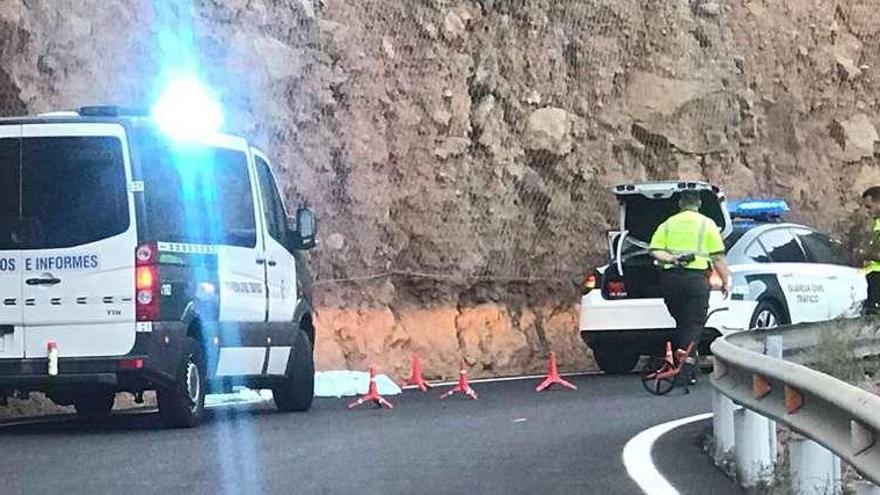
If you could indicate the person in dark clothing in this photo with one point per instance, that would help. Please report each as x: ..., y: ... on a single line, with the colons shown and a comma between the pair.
x: 689, y: 245
x: 864, y: 240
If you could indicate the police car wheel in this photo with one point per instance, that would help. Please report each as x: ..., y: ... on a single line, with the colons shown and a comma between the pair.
x: 94, y: 406
x: 615, y: 361
x: 766, y: 315
x: 182, y: 404
x: 297, y: 391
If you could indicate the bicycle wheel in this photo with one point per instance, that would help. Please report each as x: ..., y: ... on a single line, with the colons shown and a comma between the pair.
x: 654, y: 376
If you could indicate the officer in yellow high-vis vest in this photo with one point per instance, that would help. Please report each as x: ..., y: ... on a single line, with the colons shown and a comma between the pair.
x: 688, y: 245
x: 865, y: 238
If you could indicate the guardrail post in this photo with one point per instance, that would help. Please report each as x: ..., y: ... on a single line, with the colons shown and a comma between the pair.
x: 755, y: 436
x: 773, y: 346
x: 754, y: 446
x: 814, y: 469
x: 722, y: 426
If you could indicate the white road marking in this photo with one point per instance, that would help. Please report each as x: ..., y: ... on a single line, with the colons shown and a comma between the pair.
x: 639, y: 463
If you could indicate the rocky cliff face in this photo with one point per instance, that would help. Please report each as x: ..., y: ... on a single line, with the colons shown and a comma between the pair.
x: 458, y: 151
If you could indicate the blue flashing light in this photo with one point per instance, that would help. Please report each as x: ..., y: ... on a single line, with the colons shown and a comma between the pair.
x: 187, y: 109
x: 758, y: 209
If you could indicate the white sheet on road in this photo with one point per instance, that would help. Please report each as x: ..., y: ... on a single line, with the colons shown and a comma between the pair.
x: 240, y: 395
x: 351, y: 383
x: 327, y: 384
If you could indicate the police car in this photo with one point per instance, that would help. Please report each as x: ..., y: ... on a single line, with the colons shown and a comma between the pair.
x: 132, y: 260
x: 781, y: 273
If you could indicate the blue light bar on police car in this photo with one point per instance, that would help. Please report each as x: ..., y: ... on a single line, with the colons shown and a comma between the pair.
x: 758, y: 208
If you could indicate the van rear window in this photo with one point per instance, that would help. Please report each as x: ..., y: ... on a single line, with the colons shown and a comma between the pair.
x: 9, y: 194
x: 195, y: 194
x: 60, y: 192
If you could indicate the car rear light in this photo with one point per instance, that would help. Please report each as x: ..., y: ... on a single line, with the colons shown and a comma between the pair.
x: 592, y: 281
x: 147, y: 282
x: 617, y: 289
x: 146, y: 254
x: 146, y: 277
x: 131, y: 364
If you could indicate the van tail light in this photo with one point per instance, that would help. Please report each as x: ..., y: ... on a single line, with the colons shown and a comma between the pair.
x: 146, y: 281
x: 592, y: 281
x: 131, y: 364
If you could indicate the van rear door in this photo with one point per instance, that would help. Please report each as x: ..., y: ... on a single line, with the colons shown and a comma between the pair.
x: 11, y: 330
x: 78, y: 238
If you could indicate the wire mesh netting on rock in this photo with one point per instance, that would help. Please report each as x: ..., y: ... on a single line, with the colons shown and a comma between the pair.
x: 479, y: 142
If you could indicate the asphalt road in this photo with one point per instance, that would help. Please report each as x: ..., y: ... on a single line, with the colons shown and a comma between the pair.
x: 512, y: 440
x: 677, y: 455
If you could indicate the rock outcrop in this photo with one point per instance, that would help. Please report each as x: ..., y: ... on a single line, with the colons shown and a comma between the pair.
x: 856, y: 136
x: 492, y: 339
x: 548, y: 129
x: 459, y: 152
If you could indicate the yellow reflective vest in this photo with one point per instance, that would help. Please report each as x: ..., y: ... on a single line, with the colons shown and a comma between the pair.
x: 690, y: 232
x: 874, y: 265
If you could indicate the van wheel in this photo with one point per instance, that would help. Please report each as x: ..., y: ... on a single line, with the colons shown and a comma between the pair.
x: 94, y: 406
x: 297, y: 391
x: 766, y: 315
x: 615, y: 361
x: 182, y: 404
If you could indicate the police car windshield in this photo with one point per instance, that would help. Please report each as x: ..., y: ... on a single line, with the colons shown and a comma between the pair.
x: 58, y: 192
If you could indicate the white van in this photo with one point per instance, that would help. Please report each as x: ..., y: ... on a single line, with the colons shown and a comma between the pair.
x: 132, y: 262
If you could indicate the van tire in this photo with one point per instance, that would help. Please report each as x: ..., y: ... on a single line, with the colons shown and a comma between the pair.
x: 94, y: 406
x: 297, y: 390
x: 182, y: 403
x: 615, y: 361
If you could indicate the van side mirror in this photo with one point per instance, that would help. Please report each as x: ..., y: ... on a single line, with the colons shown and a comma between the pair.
x: 302, y: 230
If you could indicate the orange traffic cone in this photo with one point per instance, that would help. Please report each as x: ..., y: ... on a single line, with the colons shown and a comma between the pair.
x: 415, y: 376
x: 463, y: 387
x: 372, y: 394
x: 553, y: 377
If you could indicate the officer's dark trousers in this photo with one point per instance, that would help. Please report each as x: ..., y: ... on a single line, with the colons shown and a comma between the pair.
x: 873, y: 302
x: 686, y: 294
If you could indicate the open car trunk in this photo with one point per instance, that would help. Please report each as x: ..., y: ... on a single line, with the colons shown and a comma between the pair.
x: 643, y: 207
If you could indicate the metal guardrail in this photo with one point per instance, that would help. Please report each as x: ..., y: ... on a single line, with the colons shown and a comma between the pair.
x: 837, y: 415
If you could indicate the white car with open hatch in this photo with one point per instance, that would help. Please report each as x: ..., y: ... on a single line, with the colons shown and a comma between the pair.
x: 781, y: 273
